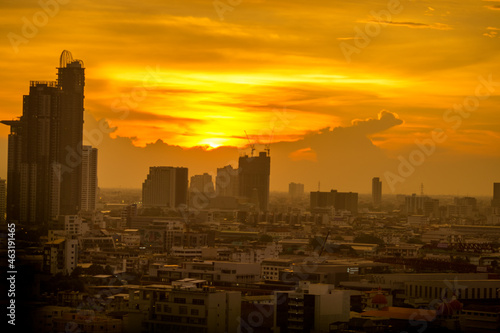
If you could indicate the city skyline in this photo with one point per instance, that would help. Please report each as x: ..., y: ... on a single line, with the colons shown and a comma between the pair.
x: 332, y: 95
x: 250, y: 166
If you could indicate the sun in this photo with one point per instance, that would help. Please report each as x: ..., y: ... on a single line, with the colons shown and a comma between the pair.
x: 212, y: 143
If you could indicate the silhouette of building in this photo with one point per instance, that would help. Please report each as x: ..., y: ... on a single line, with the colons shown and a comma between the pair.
x: 89, y: 178
x: 201, y: 190
x: 44, y: 162
x: 495, y: 203
x: 165, y: 187
x: 376, y: 192
x: 254, y: 173
x: 128, y: 212
x: 3, y: 201
x: 421, y: 205
x: 226, y: 182
x: 201, y: 183
x: 338, y: 200
x: 295, y: 190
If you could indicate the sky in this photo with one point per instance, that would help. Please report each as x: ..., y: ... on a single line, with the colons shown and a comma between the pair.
x: 339, y: 91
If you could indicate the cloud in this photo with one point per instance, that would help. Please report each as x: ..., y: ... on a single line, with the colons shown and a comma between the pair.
x: 305, y: 154
x: 494, y: 7
x: 140, y: 115
x: 348, y: 38
x: 416, y: 25
x: 384, y: 121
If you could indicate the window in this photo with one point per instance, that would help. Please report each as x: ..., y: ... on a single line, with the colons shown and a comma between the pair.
x: 183, y: 310
x: 194, y: 312
x: 198, y: 301
x: 179, y: 300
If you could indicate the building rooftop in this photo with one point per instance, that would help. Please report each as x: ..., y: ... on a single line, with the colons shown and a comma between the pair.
x: 402, y: 313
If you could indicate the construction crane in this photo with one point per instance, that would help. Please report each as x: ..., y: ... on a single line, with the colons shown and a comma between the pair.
x: 252, y: 145
x: 324, y: 244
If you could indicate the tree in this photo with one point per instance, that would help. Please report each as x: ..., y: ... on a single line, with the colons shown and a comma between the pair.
x: 265, y: 239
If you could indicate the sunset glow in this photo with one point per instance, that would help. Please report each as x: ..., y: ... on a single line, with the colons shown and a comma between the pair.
x: 175, y: 72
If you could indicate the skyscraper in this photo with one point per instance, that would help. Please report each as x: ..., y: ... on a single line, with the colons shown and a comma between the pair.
x: 295, y: 190
x: 226, y: 182
x: 495, y: 203
x: 89, y: 178
x: 3, y: 202
x: 201, y: 183
x: 376, y: 192
x: 254, y: 173
x: 165, y: 187
x: 44, y: 162
x: 70, y: 81
x: 338, y: 200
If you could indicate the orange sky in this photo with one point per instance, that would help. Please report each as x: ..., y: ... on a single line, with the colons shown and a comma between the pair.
x: 188, y: 75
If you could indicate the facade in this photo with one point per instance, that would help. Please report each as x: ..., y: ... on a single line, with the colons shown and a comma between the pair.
x: 211, y: 271
x: 254, y: 174
x: 295, y: 190
x: 462, y: 288
x: 270, y: 268
x: 89, y: 179
x: 3, y: 199
x: 495, y: 203
x: 201, y: 183
x: 186, y: 306
x: 421, y: 205
x: 44, y: 162
x: 201, y: 190
x: 60, y: 256
x: 376, y: 192
x: 73, y: 224
x: 338, y: 200
x: 310, y: 308
x: 165, y: 187
x: 226, y: 182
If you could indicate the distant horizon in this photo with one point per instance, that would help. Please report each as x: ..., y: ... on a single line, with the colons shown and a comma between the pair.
x: 484, y: 196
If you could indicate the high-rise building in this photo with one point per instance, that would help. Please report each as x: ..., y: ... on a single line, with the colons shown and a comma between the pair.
x: 70, y: 81
x: 295, y: 190
x: 201, y: 183
x: 254, y: 173
x: 226, y: 182
x: 165, y: 187
x: 376, y: 192
x: 89, y: 179
x: 44, y: 162
x: 338, y: 200
x: 3, y: 201
x: 495, y: 203
x: 421, y: 205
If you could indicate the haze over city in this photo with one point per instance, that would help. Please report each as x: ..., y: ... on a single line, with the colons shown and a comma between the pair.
x: 250, y: 166
x: 181, y: 81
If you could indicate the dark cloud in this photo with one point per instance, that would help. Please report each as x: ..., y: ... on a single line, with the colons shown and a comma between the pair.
x: 142, y: 115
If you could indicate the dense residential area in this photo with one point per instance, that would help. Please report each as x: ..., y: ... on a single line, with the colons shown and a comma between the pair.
x: 399, y: 266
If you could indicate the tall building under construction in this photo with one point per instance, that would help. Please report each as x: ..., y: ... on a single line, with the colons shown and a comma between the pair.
x: 254, y: 175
